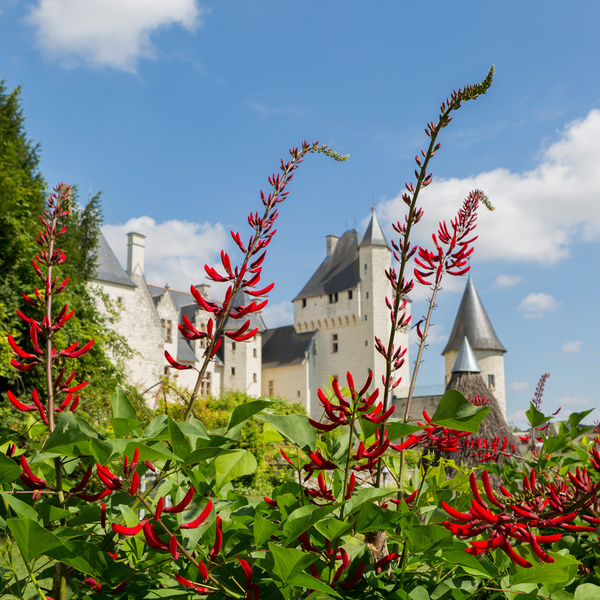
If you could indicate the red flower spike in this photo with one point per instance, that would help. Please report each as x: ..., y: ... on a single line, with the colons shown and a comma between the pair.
x: 323, y: 426
x: 103, y: 516
x: 455, y: 514
x: 135, y: 461
x: 110, y: 481
x: 488, y: 490
x: 200, y: 518
x: 516, y: 558
x: 152, y: 468
x: 189, y: 584
x: 380, y: 418
x: 475, y: 490
x: 173, y: 548
x: 183, y: 504
x: 38, y: 483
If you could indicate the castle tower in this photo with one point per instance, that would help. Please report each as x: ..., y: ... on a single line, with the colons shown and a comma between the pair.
x: 473, y: 323
x: 374, y: 257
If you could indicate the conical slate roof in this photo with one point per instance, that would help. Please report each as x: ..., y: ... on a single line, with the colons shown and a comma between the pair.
x: 374, y: 235
x: 473, y: 323
x: 466, y: 361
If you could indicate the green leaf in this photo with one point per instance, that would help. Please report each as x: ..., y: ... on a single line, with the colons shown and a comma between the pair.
x: 367, y: 495
x: 302, y: 519
x: 83, y: 556
x: 263, y: 529
x: 553, y: 575
x: 304, y: 580
x: 235, y: 463
x: 241, y: 414
x: 418, y: 593
x: 397, y: 428
x: 179, y: 442
x: 69, y: 430
x: 21, y: 508
x: 423, y: 537
x: 577, y: 417
x: 294, y: 428
x: 456, y: 412
x: 123, y: 414
x: 289, y: 562
x: 535, y: 417
x: 587, y: 591
x: 9, y: 470
x: 333, y: 528
x: 32, y: 538
x: 554, y: 442
x: 372, y: 517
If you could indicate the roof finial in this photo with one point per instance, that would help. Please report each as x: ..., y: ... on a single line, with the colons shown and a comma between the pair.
x: 373, y: 204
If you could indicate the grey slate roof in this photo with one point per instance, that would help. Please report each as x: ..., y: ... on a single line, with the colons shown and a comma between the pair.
x: 472, y: 322
x: 374, y: 235
x: 179, y: 297
x: 283, y: 346
x: 184, y: 350
x: 109, y: 268
x: 466, y: 362
x: 256, y: 320
x: 338, y: 272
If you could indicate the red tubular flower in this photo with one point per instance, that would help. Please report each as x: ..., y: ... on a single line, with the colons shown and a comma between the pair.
x: 286, y: 457
x: 173, y: 548
x: 152, y: 538
x: 200, y: 518
x: 110, y: 481
x: 203, y: 570
x: 323, y: 426
x: 349, y: 583
x: 28, y: 478
x: 306, y: 543
x: 93, y: 584
x: 191, y: 585
x: 247, y: 571
x: 351, y: 484
x: 18, y: 404
x: 135, y: 482
x: 103, y: 516
x: 84, y: 481
x: 270, y: 502
x: 76, y: 353
x: 175, y: 364
x: 183, y: 504
x: 216, y: 549
x: 93, y: 497
x: 380, y: 418
x: 384, y: 561
x: 122, y: 530
x: 159, y: 508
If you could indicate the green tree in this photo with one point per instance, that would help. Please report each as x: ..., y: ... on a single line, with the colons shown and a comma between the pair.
x: 22, y: 200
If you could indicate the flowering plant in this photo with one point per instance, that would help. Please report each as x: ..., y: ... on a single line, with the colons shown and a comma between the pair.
x: 151, y: 511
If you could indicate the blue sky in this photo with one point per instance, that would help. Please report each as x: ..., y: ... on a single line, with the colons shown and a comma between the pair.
x: 179, y: 110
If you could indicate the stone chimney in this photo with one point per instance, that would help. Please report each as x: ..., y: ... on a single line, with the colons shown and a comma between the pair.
x: 204, y: 289
x: 332, y: 241
x: 136, y: 245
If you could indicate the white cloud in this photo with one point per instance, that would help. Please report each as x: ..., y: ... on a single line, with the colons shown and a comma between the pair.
x: 504, y: 281
x: 518, y: 386
x: 176, y: 251
x: 539, y: 213
x: 276, y: 315
x: 436, y: 335
x: 535, y: 305
x: 576, y: 403
x: 106, y: 33
x: 571, y: 346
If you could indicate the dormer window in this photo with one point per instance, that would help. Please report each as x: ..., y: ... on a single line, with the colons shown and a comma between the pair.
x: 333, y: 298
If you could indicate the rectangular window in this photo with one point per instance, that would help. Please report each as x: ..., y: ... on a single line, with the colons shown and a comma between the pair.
x: 168, y: 327
x: 350, y: 295
x: 365, y: 317
x: 254, y: 352
x: 205, y: 388
x: 298, y: 394
x: 119, y: 299
x: 232, y: 371
x: 233, y: 346
x: 271, y: 387
x: 303, y: 302
x: 334, y: 340
x: 491, y: 382
x: 333, y: 298
x: 365, y: 267
x: 254, y: 378
x: 367, y: 296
